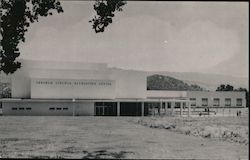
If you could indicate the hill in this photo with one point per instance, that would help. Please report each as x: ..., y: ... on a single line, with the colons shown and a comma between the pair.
x: 160, y: 82
x: 208, y: 81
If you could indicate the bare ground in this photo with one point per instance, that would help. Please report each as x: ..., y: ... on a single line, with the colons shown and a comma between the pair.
x: 106, y: 137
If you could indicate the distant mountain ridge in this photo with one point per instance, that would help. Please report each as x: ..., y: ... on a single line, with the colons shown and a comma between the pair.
x: 160, y: 82
x: 208, y: 81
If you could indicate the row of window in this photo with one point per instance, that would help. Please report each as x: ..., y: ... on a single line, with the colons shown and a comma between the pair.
x: 28, y: 108
x: 216, y: 102
x: 21, y: 108
x: 52, y: 108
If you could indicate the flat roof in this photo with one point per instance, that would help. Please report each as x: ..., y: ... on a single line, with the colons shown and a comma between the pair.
x: 93, y: 100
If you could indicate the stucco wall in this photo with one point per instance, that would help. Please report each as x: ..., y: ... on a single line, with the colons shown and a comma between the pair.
x: 221, y: 95
x: 125, y: 83
x: 130, y: 84
x: 166, y: 94
x: 20, y: 83
x: 72, y: 88
x: 43, y: 108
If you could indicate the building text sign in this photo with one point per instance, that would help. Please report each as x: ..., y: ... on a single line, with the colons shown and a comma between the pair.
x: 86, y: 82
x: 72, y: 88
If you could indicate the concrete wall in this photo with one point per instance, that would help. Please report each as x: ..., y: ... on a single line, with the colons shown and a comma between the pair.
x: 20, y: 84
x: 125, y: 83
x: 43, y: 108
x: 130, y: 84
x: 166, y: 94
x: 21, y: 79
x: 72, y: 88
x: 221, y: 95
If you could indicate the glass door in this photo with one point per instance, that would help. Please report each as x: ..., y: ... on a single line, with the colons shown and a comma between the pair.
x: 99, y: 110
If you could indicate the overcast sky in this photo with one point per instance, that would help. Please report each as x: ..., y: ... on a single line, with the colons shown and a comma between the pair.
x: 209, y: 37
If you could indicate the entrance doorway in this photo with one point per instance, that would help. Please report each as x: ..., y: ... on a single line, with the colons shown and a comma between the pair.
x: 130, y: 109
x: 106, y: 109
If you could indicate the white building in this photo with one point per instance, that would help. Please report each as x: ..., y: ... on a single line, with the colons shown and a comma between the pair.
x: 75, y: 88
x: 227, y: 99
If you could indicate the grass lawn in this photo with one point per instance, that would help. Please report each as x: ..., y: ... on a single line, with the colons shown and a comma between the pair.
x: 111, y: 137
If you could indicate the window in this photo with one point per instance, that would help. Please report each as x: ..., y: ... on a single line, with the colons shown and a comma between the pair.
x: 228, y: 102
x: 65, y: 108
x: 28, y: 108
x: 21, y: 108
x: 216, y: 102
x: 193, y: 101
x: 58, y: 108
x: 169, y: 104
x: 52, y: 108
x: 184, y: 105
x: 204, y: 102
x: 238, y: 102
x: 14, y: 108
x: 163, y: 105
x: 177, y: 105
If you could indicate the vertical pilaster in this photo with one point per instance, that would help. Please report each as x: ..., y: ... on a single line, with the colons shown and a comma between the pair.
x: 188, y: 103
x: 165, y: 109
x: 160, y: 107
x: 74, y: 106
x: 172, y: 108
x: 118, y: 108
x: 181, y: 107
x: 142, y: 109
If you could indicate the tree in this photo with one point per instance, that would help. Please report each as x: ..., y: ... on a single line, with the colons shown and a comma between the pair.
x: 16, y: 18
x: 5, y: 90
x: 224, y: 87
x: 221, y: 88
x: 17, y: 15
x: 105, y: 11
x: 229, y: 87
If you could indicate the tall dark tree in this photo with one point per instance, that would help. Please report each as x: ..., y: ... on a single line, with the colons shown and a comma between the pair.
x: 17, y: 15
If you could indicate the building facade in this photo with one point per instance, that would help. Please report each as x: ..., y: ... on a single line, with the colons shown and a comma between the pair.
x: 94, y: 89
x: 228, y: 99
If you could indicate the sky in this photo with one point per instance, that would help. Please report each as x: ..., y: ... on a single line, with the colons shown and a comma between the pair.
x: 206, y: 37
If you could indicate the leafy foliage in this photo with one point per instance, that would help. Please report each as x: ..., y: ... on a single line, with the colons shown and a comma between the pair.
x: 5, y: 90
x: 105, y: 12
x: 160, y: 82
x: 224, y: 87
x: 16, y: 16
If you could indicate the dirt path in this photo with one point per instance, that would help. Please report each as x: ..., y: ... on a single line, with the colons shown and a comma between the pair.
x: 104, y: 137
